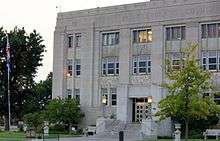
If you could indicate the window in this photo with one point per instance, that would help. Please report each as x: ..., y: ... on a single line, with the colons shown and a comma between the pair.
x: 69, y: 67
x: 104, y: 93
x: 110, y: 66
x: 176, y: 60
x: 217, y: 98
x: 175, y: 33
x: 211, y: 60
x: 77, y: 67
x: 210, y: 30
x: 141, y: 64
x: 77, y: 95
x: 69, y: 93
x: 70, y: 41
x: 113, y: 93
x: 77, y: 40
x: 110, y: 38
x: 142, y: 36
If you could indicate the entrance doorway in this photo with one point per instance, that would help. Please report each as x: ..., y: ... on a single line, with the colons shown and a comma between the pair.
x: 140, y: 109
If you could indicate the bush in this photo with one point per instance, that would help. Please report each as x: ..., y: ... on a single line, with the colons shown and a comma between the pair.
x: 58, y: 128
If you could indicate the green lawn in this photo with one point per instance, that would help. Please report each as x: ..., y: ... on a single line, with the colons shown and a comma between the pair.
x: 20, y: 136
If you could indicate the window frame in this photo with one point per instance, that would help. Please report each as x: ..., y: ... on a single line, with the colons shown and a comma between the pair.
x: 175, y: 33
x: 70, y: 41
x: 77, y: 70
x: 105, y: 66
x: 136, y: 60
x: 136, y: 35
x: 78, y: 38
x: 69, y: 63
x: 110, y: 38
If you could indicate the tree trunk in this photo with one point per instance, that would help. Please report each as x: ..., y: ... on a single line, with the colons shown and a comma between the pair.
x: 186, y: 129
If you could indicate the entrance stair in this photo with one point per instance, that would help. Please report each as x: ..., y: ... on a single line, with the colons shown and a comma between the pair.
x: 131, y: 130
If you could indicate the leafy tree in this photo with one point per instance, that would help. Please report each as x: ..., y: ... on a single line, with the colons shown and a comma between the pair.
x: 26, y: 55
x: 39, y: 96
x: 34, y: 120
x: 185, y: 99
x: 63, y: 111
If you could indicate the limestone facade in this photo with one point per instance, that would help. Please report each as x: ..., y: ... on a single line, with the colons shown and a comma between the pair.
x: 107, y: 35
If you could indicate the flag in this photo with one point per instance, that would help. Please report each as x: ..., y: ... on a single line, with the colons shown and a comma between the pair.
x: 8, y: 54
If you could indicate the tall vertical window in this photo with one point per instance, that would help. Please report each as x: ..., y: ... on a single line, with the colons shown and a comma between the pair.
x: 113, y: 93
x: 69, y: 93
x: 77, y: 67
x: 210, y: 30
x: 141, y: 64
x: 142, y: 36
x: 77, y: 95
x: 104, y: 93
x: 70, y: 41
x: 175, y: 33
x: 110, y: 66
x: 69, y: 67
x: 211, y: 60
x: 78, y: 40
x: 111, y: 38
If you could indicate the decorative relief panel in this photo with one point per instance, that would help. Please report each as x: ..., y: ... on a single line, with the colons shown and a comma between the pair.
x: 138, y: 49
x: 110, y: 51
x: 107, y: 82
x: 141, y: 80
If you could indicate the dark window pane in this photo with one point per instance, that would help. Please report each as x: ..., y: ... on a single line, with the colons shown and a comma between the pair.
x: 204, y: 60
x: 77, y: 67
x: 168, y: 34
x: 212, y: 60
x: 111, y: 71
x: 104, y: 72
x: 135, y: 64
x: 117, y: 65
x: 104, y: 66
x: 212, y: 67
x: 149, y: 70
x: 183, y: 32
x: 142, y: 70
x: 117, y: 71
x: 142, y: 64
x: 110, y: 65
x: 135, y: 70
x: 135, y: 35
x: 149, y: 63
x: 204, y: 31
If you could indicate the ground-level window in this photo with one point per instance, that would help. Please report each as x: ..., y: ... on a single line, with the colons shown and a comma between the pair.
x: 110, y: 66
x: 77, y: 95
x: 69, y: 93
x: 113, y: 93
x: 69, y: 67
x: 141, y: 64
x: 104, y: 94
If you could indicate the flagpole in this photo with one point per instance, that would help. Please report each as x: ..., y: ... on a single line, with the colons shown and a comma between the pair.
x: 8, y: 67
x: 9, y: 103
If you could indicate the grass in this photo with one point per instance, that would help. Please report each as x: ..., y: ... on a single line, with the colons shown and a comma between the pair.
x: 20, y: 136
x: 12, y: 136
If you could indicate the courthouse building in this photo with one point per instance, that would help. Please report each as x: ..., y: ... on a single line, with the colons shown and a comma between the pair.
x: 117, y: 54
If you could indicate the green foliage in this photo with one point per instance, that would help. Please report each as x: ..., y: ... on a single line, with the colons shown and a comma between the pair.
x: 34, y: 120
x: 185, y: 92
x: 63, y: 111
x: 26, y: 55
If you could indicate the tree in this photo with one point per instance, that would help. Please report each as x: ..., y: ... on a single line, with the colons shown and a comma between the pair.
x: 186, y: 97
x: 34, y: 120
x: 39, y: 96
x: 63, y: 111
x: 26, y: 55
